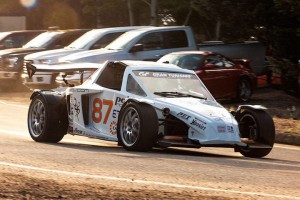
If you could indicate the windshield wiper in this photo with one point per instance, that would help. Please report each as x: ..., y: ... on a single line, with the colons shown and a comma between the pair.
x: 113, y: 49
x: 30, y: 47
x: 178, y: 94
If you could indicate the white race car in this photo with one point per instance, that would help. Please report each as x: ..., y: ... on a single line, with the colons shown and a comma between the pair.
x: 145, y: 104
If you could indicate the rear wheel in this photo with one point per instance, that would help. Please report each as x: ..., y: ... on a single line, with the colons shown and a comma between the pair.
x: 244, y: 90
x: 256, y: 126
x: 137, y: 127
x: 45, y: 124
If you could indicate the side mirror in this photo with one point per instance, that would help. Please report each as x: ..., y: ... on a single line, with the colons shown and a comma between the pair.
x: 136, y: 48
x: 58, y: 46
x: 97, y: 46
x: 209, y: 66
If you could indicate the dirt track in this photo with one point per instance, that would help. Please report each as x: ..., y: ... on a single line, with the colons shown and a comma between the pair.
x: 20, y: 183
x: 19, y: 186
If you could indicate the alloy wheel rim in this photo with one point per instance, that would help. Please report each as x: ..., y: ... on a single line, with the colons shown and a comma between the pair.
x: 130, y: 127
x: 250, y: 122
x: 37, y: 118
x: 245, y: 91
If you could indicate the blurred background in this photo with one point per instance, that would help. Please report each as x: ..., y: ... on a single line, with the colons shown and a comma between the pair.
x: 275, y: 23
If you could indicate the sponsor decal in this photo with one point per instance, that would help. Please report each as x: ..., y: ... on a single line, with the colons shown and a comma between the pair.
x: 76, y: 107
x: 113, y: 128
x: 78, y: 131
x: 119, y: 101
x: 221, y: 129
x: 183, y: 115
x: 143, y: 73
x: 230, y: 129
x: 165, y: 75
x: 115, y: 113
x: 218, y: 119
x: 199, y: 124
x: 82, y: 90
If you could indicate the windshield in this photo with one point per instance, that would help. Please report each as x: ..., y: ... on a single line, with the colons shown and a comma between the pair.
x: 84, y: 40
x: 122, y: 41
x: 42, y: 40
x: 3, y: 35
x: 185, y: 61
x: 173, y: 84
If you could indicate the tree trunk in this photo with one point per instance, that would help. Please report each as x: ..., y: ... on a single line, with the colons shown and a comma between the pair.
x: 131, y: 18
x: 218, y: 29
x: 153, y: 20
x: 189, y: 14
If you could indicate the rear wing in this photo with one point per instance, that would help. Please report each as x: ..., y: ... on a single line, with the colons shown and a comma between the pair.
x: 62, y: 67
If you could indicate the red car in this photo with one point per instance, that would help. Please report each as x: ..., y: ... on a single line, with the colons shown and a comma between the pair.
x: 225, y: 78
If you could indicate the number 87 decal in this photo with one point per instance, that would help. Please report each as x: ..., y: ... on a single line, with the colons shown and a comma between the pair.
x: 97, y: 110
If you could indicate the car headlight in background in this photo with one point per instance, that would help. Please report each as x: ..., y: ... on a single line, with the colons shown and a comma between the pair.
x: 11, y: 61
x: 45, y: 61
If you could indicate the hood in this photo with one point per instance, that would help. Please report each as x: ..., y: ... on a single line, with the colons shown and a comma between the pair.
x: 207, y: 110
x: 7, y: 51
x: 208, y: 121
x: 19, y: 51
x: 94, y: 56
x: 52, y: 55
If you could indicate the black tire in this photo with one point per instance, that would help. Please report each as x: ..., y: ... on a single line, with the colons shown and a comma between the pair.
x: 244, y: 90
x: 137, y: 127
x: 44, y: 123
x: 256, y: 125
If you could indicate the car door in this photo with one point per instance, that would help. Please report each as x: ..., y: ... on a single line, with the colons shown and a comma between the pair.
x: 105, y: 105
x: 220, y: 76
x: 104, y: 111
x: 157, y: 44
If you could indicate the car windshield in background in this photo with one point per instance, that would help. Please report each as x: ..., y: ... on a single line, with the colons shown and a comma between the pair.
x: 84, y: 40
x: 189, y: 61
x: 42, y: 40
x: 173, y: 84
x: 122, y: 41
x: 3, y: 35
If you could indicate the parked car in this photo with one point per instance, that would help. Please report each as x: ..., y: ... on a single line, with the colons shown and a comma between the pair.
x: 145, y: 104
x: 147, y: 44
x: 224, y: 77
x: 11, y: 60
x: 154, y: 42
x: 16, y: 39
x: 94, y: 39
x: 142, y: 44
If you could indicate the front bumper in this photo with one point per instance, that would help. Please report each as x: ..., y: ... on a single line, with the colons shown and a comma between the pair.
x: 6, y: 75
x: 37, y: 79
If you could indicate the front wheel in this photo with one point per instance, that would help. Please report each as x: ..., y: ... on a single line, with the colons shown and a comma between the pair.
x: 244, y: 91
x: 137, y: 127
x: 256, y: 126
x: 44, y: 123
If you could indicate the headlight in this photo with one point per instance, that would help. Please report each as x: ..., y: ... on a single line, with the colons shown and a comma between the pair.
x: 11, y: 61
x: 45, y: 61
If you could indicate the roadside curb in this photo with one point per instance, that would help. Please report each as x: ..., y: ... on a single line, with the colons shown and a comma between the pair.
x: 288, y: 138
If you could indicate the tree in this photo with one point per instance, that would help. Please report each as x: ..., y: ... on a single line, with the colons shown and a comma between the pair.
x: 65, y: 16
x: 103, y: 13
